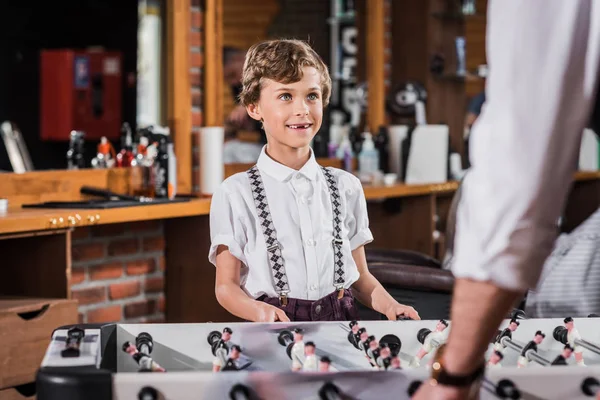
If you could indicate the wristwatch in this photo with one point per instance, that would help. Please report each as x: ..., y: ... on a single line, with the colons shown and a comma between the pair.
x: 440, y: 376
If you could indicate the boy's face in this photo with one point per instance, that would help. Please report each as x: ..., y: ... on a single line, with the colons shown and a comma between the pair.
x: 291, y: 112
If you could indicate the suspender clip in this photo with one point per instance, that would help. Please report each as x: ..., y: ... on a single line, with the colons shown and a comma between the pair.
x: 283, y: 298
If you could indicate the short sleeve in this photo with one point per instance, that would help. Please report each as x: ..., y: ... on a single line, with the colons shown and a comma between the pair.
x: 225, y: 227
x: 357, y: 218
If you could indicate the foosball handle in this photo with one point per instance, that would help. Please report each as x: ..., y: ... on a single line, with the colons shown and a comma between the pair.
x: 329, y: 392
x: 144, y: 339
x: 506, y: 389
x: 590, y: 386
x: 517, y: 313
x: 593, y: 316
x: 413, y: 387
x: 148, y: 393
x: 74, y: 337
x: 239, y: 392
x: 560, y: 334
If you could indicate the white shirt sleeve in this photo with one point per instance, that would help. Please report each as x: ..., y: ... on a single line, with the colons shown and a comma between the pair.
x: 543, y: 57
x: 357, y: 217
x: 225, y: 226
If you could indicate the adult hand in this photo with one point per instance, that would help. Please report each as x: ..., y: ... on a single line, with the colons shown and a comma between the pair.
x: 268, y: 313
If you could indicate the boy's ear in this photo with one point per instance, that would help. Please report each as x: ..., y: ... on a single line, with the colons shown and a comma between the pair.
x: 254, y: 112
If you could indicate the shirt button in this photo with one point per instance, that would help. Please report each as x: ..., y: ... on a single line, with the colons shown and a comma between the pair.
x: 313, y: 287
x: 310, y: 242
x: 298, y: 176
x: 303, y: 200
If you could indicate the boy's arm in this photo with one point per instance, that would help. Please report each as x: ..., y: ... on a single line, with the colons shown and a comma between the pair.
x: 231, y: 296
x: 371, y: 293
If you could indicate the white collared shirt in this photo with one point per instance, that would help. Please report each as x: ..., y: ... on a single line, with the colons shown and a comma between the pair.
x: 544, y: 59
x: 300, y: 206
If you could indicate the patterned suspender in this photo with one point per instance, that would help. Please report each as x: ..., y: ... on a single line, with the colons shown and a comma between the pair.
x: 336, y: 205
x: 270, y: 234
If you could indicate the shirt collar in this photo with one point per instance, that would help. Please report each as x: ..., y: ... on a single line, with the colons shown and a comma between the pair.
x: 283, y: 173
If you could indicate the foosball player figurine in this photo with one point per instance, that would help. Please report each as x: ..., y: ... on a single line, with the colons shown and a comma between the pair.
x: 362, y: 335
x: 353, y: 336
x: 430, y: 342
x: 532, y: 345
x: 234, y: 355
x: 75, y: 336
x: 297, y: 352
x: 562, y: 358
x: 395, y: 363
x: 310, y: 358
x: 506, y: 332
x: 385, y: 356
x: 495, y: 359
x: 572, y: 335
x: 373, y: 351
x: 143, y: 360
x: 324, y: 364
x: 221, y: 349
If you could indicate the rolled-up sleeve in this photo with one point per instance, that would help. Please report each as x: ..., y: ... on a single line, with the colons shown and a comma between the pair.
x: 543, y: 58
x: 225, y: 227
x: 357, y: 217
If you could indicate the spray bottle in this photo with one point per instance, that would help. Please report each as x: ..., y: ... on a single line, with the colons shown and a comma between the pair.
x: 164, y: 165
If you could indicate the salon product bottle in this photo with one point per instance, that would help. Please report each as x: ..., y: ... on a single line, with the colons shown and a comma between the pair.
x: 335, y: 134
x: 165, y: 164
x: 368, y: 159
x: 382, y: 144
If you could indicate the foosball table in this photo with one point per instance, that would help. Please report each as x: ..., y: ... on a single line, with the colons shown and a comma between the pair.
x: 528, y: 359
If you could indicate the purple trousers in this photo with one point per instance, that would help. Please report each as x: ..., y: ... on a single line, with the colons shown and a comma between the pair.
x: 328, y: 308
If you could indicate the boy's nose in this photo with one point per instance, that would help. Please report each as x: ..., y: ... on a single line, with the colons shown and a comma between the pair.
x: 301, y: 109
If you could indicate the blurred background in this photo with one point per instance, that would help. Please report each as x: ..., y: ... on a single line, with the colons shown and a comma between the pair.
x: 92, y: 65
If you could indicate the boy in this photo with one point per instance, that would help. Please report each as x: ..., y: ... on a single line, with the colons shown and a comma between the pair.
x: 288, y: 235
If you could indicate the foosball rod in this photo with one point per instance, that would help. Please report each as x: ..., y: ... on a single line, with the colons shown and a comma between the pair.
x: 531, y: 355
x: 560, y: 335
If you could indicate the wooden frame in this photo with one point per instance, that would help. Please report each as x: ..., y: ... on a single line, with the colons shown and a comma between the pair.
x: 179, y: 97
x: 375, y: 64
x: 213, y: 67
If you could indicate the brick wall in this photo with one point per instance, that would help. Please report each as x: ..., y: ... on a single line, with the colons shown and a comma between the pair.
x: 196, y: 67
x: 118, y: 272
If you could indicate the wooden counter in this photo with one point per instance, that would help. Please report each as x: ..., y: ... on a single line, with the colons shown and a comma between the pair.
x: 19, y: 219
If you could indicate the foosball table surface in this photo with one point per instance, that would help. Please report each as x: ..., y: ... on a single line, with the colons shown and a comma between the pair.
x: 179, y: 362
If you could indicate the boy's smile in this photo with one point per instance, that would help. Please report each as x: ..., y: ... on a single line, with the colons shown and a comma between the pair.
x: 291, y: 113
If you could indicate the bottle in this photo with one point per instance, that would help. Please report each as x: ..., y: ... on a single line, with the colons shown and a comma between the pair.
x: 335, y: 133
x: 125, y: 156
x: 344, y: 151
x: 382, y: 143
x: 165, y: 164
x: 368, y: 159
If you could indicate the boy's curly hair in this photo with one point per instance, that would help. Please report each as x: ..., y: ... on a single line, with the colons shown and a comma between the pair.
x: 282, y: 61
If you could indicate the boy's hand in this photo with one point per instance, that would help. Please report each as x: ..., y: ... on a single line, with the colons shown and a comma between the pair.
x: 396, y: 309
x: 268, y: 313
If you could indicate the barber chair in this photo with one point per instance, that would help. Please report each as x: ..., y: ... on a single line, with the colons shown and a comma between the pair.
x: 416, y: 279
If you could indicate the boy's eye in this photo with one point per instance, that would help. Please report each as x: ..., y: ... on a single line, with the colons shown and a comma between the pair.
x: 313, y: 96
x: 285, y: 96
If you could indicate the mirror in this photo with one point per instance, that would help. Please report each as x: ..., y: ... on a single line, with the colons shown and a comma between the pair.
x: 102, y: 39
